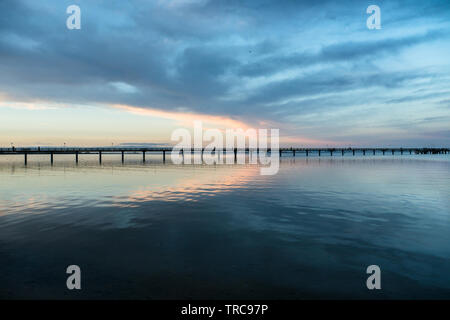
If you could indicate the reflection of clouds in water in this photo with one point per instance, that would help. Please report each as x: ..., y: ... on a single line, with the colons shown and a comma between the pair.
x: 195, y: 187
x: 327, y: 197
x: 37, y: 189
x: 33, y: 203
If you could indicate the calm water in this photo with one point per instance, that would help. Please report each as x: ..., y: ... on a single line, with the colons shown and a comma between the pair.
x: 158, y: 231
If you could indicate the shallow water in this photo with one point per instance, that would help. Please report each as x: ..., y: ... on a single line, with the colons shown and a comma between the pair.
x: 158, y: 231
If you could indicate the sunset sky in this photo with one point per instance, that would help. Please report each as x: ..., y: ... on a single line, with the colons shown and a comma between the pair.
x: 137, y: 70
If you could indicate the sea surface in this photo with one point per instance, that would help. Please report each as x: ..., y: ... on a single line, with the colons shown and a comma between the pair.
x: 162, y: 231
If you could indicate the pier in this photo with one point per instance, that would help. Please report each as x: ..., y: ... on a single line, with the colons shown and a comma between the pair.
x: 78, y: 151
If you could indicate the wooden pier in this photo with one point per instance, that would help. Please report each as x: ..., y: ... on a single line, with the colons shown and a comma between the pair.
x: 136, y: 150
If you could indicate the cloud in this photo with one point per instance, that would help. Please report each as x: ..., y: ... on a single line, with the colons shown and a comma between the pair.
x: 348, y: 51
x: 124, y: 87
x: 249, y: 61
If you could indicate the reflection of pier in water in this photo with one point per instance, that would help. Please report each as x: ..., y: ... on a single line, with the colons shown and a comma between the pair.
x: 293, y: 151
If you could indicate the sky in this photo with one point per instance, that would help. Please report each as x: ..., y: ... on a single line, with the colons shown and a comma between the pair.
x: 137, y: 70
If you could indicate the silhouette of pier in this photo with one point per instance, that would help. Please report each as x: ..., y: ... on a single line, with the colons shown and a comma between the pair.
x: 52, y: 151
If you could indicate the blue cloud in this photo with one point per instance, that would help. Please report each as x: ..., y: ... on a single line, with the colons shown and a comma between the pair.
x: 282, y: 61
